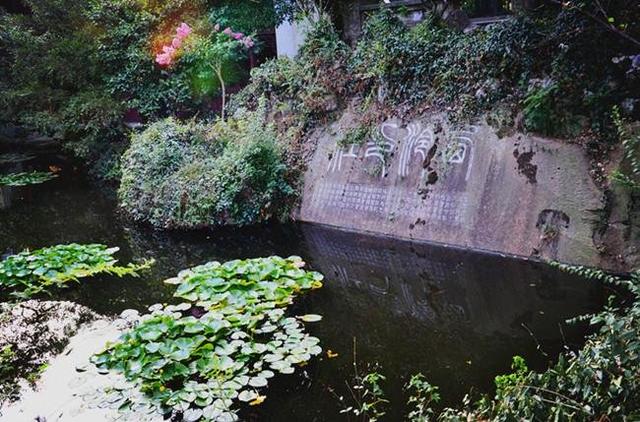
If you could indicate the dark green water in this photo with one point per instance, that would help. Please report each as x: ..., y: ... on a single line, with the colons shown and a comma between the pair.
x: 456, y: 316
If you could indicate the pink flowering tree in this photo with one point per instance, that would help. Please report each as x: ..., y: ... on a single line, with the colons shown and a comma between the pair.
x: 217, y: 53
x: 170, y: 52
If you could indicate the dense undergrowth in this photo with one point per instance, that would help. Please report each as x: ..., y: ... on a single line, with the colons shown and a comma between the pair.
x: 187, y: 175
x: 77, y: 69
x: 559, y: 70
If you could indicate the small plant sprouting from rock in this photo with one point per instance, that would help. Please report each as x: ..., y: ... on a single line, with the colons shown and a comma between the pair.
x: 24, y: 179
x: 200, y: 358
x: 29, y: 273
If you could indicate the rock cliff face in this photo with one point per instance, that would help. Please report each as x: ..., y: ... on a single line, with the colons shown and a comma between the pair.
x: 465, y: 186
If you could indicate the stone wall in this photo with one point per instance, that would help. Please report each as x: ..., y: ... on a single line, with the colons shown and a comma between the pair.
x: 465, y: 186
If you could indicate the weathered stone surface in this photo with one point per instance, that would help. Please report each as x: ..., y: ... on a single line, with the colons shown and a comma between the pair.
x: 464, y: 186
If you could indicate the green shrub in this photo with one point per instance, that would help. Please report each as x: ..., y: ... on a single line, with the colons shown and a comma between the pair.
x: 250, y: 15
x: 432, y: 66
x: 186, y: 175
x: 629, y: 136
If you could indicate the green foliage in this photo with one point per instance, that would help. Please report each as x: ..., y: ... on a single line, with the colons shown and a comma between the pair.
x: 372, y: 396
x: 550, y: 64
x: 249, y: 15
x: 30, y: 273
x: 504, y: 382
x: 24, y: 179
x: 631, y: 147
x: 192, y: 175
x: 125, y: 34
x: 433, y: 64
x: 356, y: 136
x: 8, y: 364
x: 368, y: 397
x: 202, y: 357
x: 301, y: 92
x: 213, y: 61
x: 422, y: 396
x: 89, y: 63
x: 366, y: 400
x: 307, y: 86
x: 50, y: 68
x: 539, y: 110
x: 546, y: 112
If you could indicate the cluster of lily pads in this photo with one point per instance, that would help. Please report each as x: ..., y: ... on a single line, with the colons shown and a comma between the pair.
x: 200, y: 359
x: 29, y: 273
x: 24, y: 179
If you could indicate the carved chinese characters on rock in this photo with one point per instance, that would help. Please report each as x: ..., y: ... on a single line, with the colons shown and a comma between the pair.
x: 399, y: 156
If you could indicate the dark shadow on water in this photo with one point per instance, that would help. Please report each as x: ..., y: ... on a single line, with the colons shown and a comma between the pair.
x: 456, y: 316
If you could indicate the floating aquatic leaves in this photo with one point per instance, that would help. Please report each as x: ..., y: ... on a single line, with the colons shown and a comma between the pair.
x: 204, y: 357
x: 29, y: 273
x: 24, y: 179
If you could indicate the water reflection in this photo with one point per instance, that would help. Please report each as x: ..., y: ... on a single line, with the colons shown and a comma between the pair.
x: 448, y: 287
x: 456, y: 316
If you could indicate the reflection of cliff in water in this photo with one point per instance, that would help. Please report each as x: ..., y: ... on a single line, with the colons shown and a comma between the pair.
x: 449, y: 288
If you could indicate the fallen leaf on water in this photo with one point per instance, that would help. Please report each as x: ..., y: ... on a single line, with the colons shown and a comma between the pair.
x: 258, y: 400
x: 310, y: 318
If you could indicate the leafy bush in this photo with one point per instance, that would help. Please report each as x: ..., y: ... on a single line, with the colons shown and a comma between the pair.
x: 200, y: 358
x: 30, y: 273
x: 191, y: 175
x: 430, y: 65
x: 546, y: 113
x: 631, y: 147
x: 88, y: 64
x: 422, y: 396
x: 250, y: 15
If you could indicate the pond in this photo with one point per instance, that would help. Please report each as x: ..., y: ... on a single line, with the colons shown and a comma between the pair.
x: 456, y: 316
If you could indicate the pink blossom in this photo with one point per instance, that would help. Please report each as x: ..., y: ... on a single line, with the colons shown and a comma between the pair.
x: 228, y: 31
x: 163, y: 59
x: 217, y: 27
x: 238, y: 36
x: 176, y: 43
x: 183, y: 31
x: 248, y: 42
x: 167, y: 49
